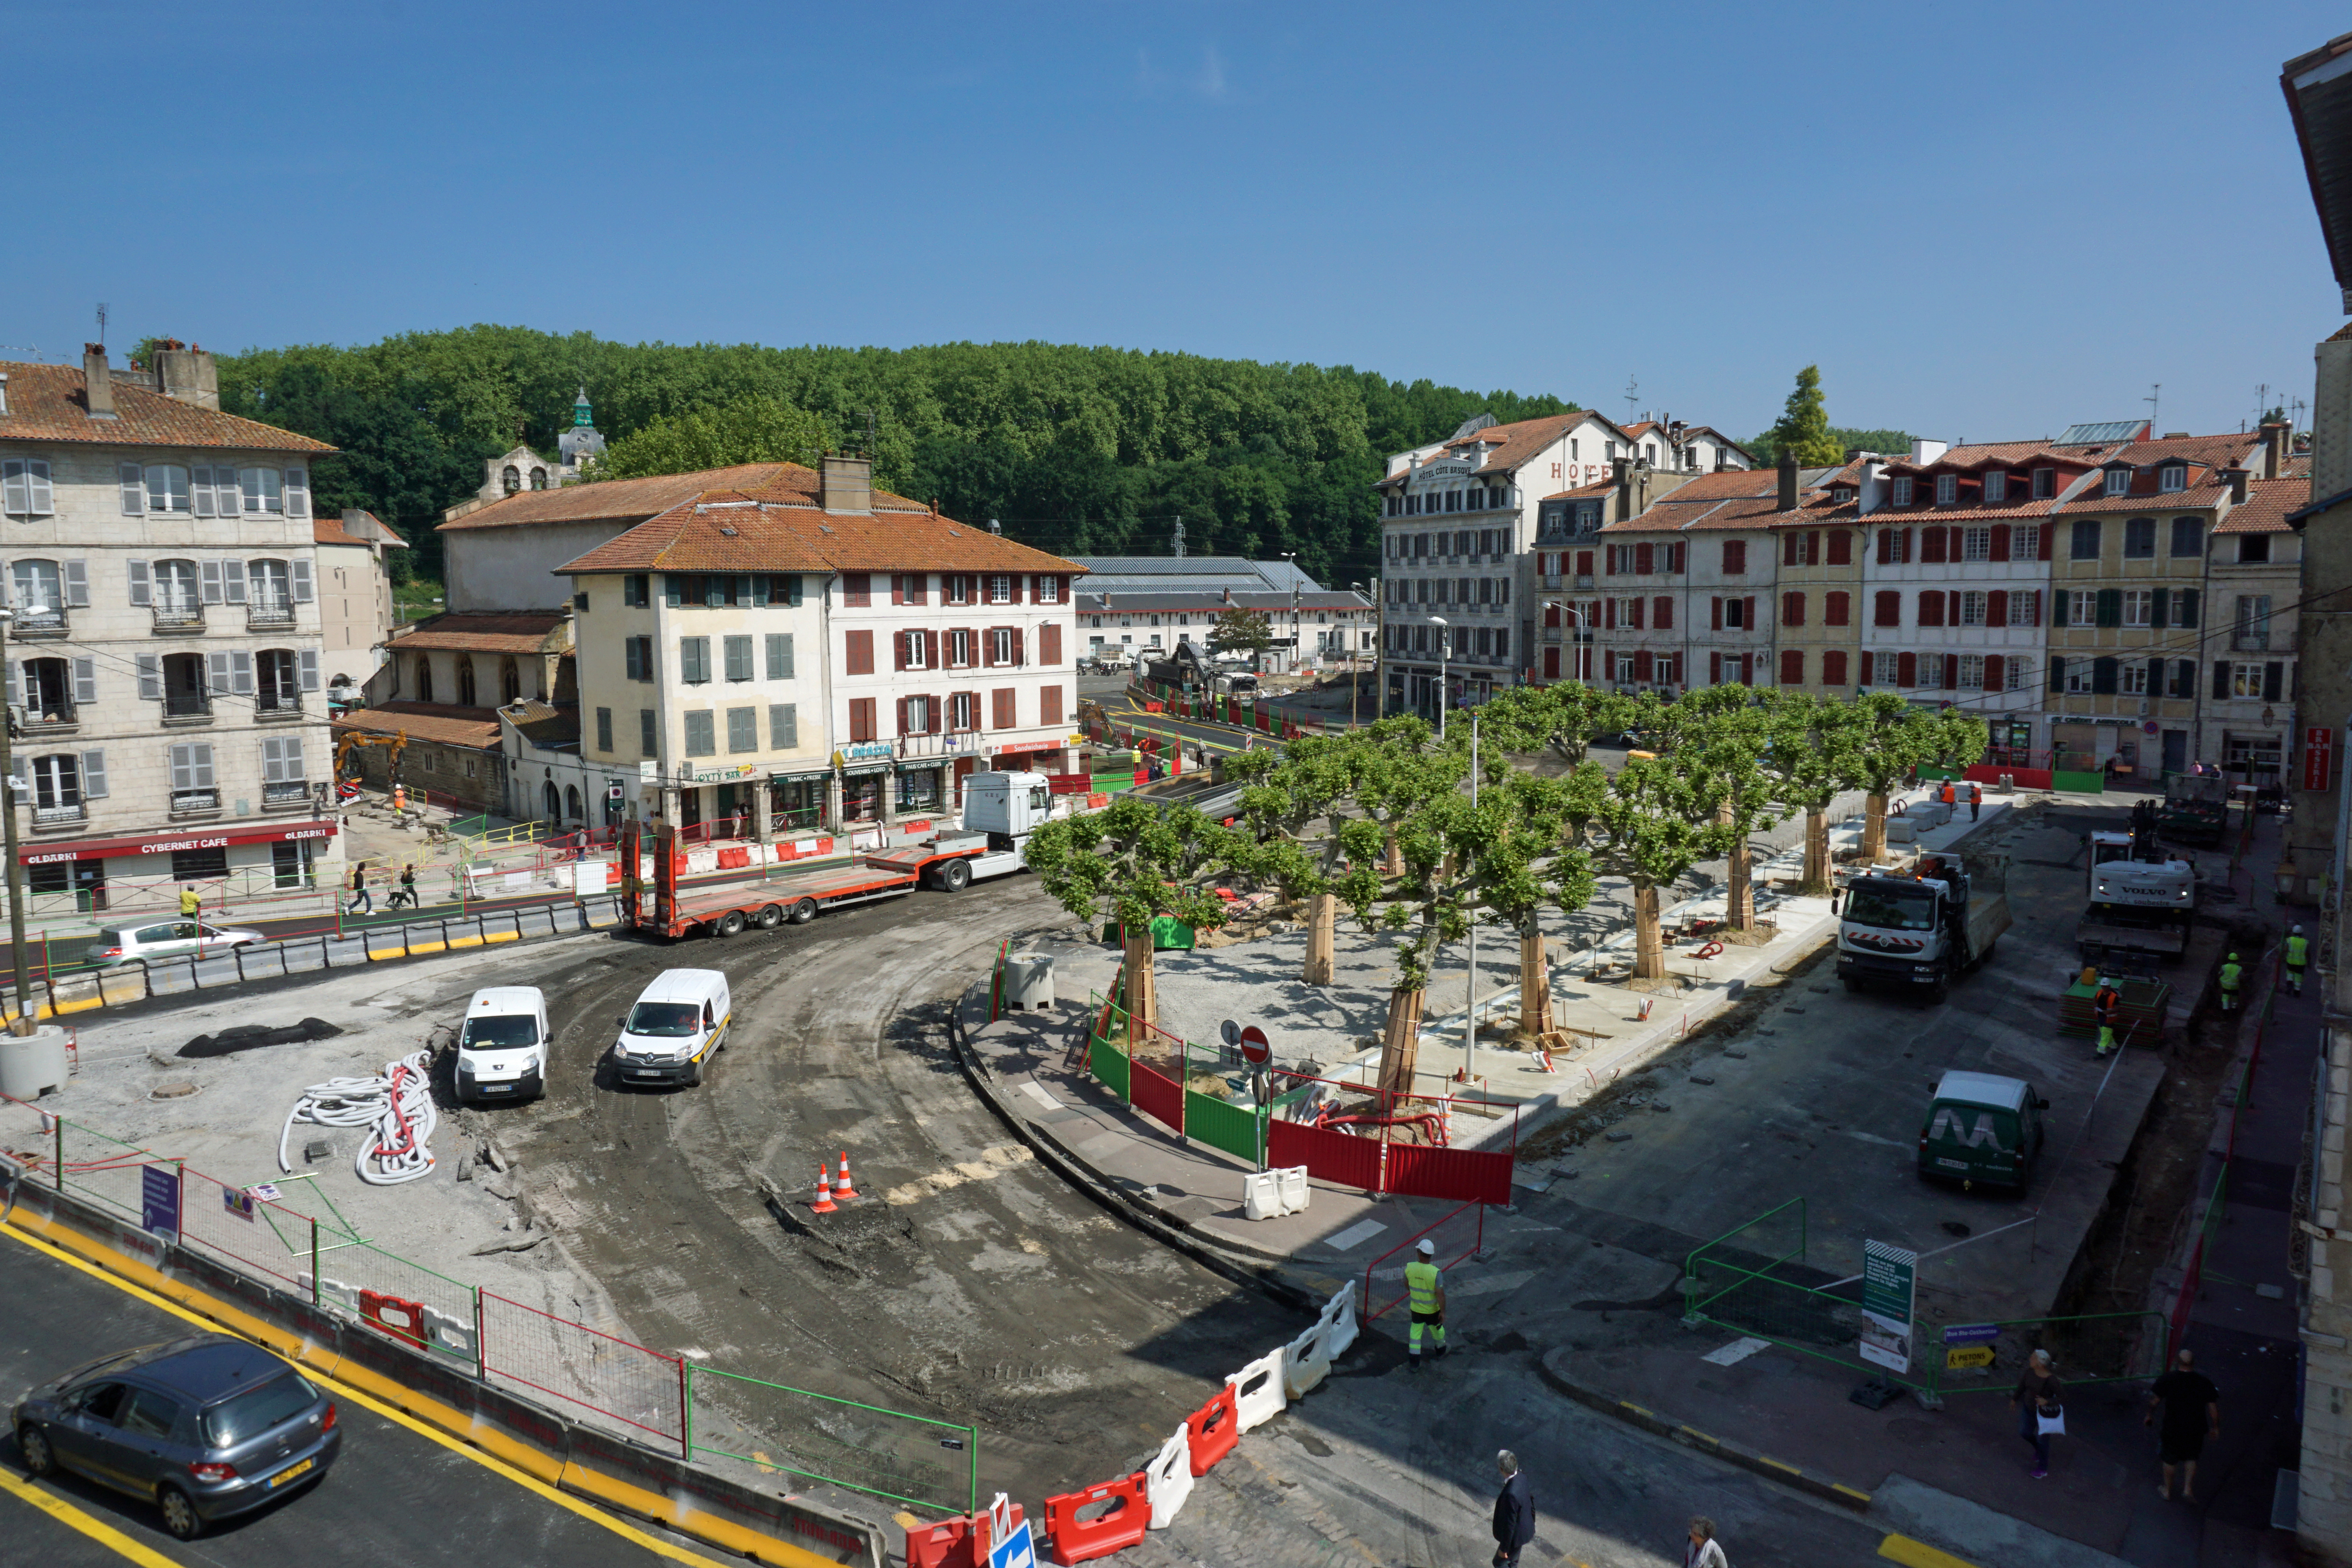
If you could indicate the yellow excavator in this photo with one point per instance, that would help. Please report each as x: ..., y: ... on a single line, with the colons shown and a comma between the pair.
x: 347, y: 782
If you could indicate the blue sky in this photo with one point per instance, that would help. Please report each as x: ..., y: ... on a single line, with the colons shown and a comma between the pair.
x: 1984, y: 221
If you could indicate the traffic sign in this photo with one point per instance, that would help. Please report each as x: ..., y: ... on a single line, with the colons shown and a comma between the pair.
x: 1230, y: 1032
x: 1971, y: 1334
x: 1015, y: 1550
x: 159, y: 1199
x: 1255, y: 1049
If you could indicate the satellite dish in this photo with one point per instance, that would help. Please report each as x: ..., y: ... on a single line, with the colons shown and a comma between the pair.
x: 1254, y: 1049
x: 1230, y: 1032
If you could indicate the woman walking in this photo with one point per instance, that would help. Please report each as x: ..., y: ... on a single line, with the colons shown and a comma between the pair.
x: 1703, y: 1551
x: 2041, y: 1411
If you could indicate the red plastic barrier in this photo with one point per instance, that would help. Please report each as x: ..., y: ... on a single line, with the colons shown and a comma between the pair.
x: 1213, y: 1430
x: 734, y: 860
x: 381, y: 1310
x: 954, y: 1544
x: 1457, y: 1175
x: 1116, y: 1528
x: 1327, y: 1156
x: 2024, y: 778
x: 922, y: 827
x: 1157, y: 1095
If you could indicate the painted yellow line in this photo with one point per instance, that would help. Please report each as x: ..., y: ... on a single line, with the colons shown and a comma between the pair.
x: 96, y: 1529
x: 498, y: 1466
x: 1918, y: 1554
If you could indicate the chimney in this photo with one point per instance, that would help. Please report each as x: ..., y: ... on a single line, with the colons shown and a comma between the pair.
x: 1788, y: 480
x: 847, y: 483
x: 187, y: 374
x: 1623, y: 468
x: 2237, y: 476
x: 96, y: 382
x: 1924, y: 451
x: 2276, y: 433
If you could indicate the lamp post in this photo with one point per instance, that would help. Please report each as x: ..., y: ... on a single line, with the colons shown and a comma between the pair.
x: 1576, y: 648
x: 1445, y: 651
x: 1470, y: 1027
x: 1296, y: 652
x: 1354, y: 679
x: 23, y: 1022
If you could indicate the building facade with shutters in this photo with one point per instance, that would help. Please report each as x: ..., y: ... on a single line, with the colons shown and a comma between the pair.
x: 1819, y: 549
x: 2254, y: 589
x: 164, y: 655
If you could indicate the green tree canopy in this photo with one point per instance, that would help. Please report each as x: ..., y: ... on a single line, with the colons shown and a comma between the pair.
x: 753, y: 430
x: 1804, y: 424
x: 1239, y: 631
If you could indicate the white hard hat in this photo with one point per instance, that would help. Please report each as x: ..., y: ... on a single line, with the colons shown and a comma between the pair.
x: 2295, y: 930
x: 1427, y: 1248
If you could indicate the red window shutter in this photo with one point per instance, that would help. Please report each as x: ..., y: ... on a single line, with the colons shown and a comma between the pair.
x: 1996, y: 674
x: 1792, y: 609
x: 931, y: 650
x: 1641, y: 666
x: 1714, y: 669
x: 1886, y: 547
x: 988, y: 647
x: 1609, y: 614
x: 1049, y: 643
x: 1747, y: 669
x: 1789, y: 548
x: 1645, y: 558
x: 857, y: 588
x: 2042, y: 545
x: 1931, y: 545
x: 898, y: 591
x: 861, y: 718
x: 1634, y: 607
x: 1813, y: 547
x: 1715, y: 613
x: 1906, y: 670
x: 1017, y: 650
x: 1841, y: 548
x: 1664, y: 620
x: 898, y: 646
x: 857, y: 652
x: 1835, y: 606
x: 1675, y: 558
x: 902, y: 715
x: 2000, y: 541
x: 1834, y: 667
x: 1888, y: 610
x: 1735, y: 557
x: 1012, y: 584
x: 1951, y: 672
x: 1003, y: 701
x: 1584, y: 563
x: 1931, y: 607
x: 1792, y: 668
x: 1997, y: 608
x: 1050, y: 710
x: 1608, y: 566
x: 1552, y: 664
x: 1748, y: 611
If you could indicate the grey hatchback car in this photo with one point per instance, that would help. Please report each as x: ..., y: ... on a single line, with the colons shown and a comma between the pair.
x: 204, y: 1427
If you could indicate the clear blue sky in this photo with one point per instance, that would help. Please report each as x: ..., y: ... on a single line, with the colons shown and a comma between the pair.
x: 1983, y: 221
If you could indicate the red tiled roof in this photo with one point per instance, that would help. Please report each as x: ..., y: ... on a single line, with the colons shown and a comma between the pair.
x: 786, y: 531
x: 330, y: 531
x: 48, y: 403
x: 2266, y: 505
x: 1992, y: 454
x: 605, y: 500
x: 1597, y: 487
x: 1519, y: 442
x: 2218, y: 451
x: 505, y: 631
x: 445, y: 722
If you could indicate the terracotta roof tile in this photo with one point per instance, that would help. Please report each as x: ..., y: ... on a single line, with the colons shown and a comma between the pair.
x: 48, y: 403
x: 444, y: 723
x: 1597, y: 487
x: 330, y: 531
x: 1519, y: 443
x: 610, y: 499
x: 783, y: 531
x: 505, y: 631
x: 2265, y: 506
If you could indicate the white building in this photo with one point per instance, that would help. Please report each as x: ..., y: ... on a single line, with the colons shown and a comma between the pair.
x: 1149, y: 604
x: 165, y: 659
x: 354, y: 583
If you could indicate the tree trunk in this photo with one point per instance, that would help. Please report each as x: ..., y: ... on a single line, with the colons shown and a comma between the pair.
x: 1873, y: 829
x: 1141, y: 1000
x: 1392, y: 863
x: 1740, y: 900
x: 1535, y: 986
x: 1649, y: 948
x: 1817, y: 852
x: 1322, y: 917
x: 1401, y: 1042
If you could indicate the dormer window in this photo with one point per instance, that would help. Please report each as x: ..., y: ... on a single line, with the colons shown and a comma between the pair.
x: 1996, y: 487
x: 2045, y: 483
x: 2172, y: 477
x: 1903, y: 492
x: 1841, y: 494
x: 2119, y: 481
x: 1947, y: 489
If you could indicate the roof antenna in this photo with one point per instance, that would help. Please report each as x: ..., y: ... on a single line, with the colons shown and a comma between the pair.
x: 1632, y: 396
x: 102, y: 322
x: 1177, y: 540
x: 2154, y: 389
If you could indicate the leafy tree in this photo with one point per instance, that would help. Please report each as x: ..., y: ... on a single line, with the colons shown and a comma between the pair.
x: 1300, y: 839
x: 1807, y: 752
x: 1733, y: 730
x: 1804, y: 424
x: 754, y: 430
x: 1131, y: 863
x: 1239, y: 631
x: 1766, y: 448
x: 1885, y: 738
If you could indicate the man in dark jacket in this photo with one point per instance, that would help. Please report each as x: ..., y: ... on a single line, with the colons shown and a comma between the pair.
x: 1515, y: 1513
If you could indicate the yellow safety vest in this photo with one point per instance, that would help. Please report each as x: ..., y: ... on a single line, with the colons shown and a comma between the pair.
x: 2230, y: 974
x: 2298, y: 949
x: 1421, y: 1279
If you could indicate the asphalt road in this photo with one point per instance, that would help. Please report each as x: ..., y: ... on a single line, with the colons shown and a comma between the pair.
x: 395, y: 1495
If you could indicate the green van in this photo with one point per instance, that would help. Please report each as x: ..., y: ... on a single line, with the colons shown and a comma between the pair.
x: 1982, y: 1128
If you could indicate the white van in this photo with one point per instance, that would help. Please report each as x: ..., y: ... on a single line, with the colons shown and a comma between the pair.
x: 502, y: 1045
x: 679, y: 1023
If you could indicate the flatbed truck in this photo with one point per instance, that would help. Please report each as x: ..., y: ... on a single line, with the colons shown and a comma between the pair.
x: 1923, y: 930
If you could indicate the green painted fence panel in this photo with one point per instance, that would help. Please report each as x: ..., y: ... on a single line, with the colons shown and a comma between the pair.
x: 1110, y: 1066
x: 2088, y: 784
x: 1235, y: 1129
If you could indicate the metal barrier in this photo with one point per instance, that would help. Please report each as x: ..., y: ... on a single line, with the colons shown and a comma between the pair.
x: 819, y: 1436
x: 583, y: 1366
x: 2090, y: 1347
x: 1753, y: 1279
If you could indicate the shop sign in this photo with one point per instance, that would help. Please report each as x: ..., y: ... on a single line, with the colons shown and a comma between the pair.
x: 718, y: 775
x: 2318, y: 758
x: 863, y: 749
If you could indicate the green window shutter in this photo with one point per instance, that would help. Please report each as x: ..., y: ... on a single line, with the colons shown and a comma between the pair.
x: 784, y: 726
x: 648, y: 732
x: 2110, y: 607
x: 2273, y: 674
x: 2058, y: 673
x: 2156, y: 678
x: 2157, y: 603
x: 2059, y: 599
x: 673, y: 588
x: 2220, y: 678
x: 2103, y: 676
x: 743, y: 590
x: 793, y: 590
x: 780, y: 656
x: 2189, y: 608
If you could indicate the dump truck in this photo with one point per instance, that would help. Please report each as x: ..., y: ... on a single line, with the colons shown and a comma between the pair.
x: 2141, y: 895
x: 1921, y: 931
x: 2195, y: 808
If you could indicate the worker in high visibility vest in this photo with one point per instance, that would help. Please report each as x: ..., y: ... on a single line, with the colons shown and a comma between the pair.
x: 2298, y: 954
x: 2232, y: 977
x: 1426, y: 1288
x: 2104, y: 1001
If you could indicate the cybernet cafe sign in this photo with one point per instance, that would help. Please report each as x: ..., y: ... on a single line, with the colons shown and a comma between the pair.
x: 200, y: 841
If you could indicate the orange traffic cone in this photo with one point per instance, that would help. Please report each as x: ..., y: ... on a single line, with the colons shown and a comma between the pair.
x: 842, y: 1189
x: 824, y: 1204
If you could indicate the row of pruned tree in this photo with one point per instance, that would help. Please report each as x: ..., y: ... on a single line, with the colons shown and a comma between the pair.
x: 1383, y: 823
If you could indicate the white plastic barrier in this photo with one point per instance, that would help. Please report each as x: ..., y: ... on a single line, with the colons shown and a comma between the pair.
x: 1305, y: 1362
x: 1168, y: 1479
x: 1029, y: 980
x: 1257, y: 1392
x: 450, y: 1334
x: 1340, y: 1322
x: 1269, y: 1195
x: 1294, y: 1190
x: 333, y: 1293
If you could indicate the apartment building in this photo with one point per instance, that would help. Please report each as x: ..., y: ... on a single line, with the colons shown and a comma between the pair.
x: 354, y: 581
x: 1149, y: 604
x: 1817, y: 588
x: 818, y: 654
x: 163, y: 659
x: 1567, y: 558
x: 2253, y: 591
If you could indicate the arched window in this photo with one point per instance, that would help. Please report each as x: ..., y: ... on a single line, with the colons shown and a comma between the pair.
x: 425, y: 677
x: 511, y: 478
x: 538, y: 479
x: 572, y: 803
x: 179, y: 592
x: 555, y: 804
x: 276, y: 682
x: 509, y: 683
x: 465, y: 683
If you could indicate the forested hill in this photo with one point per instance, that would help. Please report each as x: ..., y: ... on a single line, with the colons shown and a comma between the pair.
x: 1091, y: 450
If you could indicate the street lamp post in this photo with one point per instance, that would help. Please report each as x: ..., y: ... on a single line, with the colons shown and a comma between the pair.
x: 1445, y: 651
x: 1575, y: 649
x: 1354, y: 679
x: 1297, y: 653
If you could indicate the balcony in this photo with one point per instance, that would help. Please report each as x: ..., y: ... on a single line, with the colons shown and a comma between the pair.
x: 185, y: 707
x: 278, y: 708
x: 2251, y: 641
x: 48, y: 715
x: 32, y: 625
x: 67, y: 814
x: 295, y: 796
x: 187, y: 803
x: 268, y: 614
x: 172, y: 620
x: 1584, y: 579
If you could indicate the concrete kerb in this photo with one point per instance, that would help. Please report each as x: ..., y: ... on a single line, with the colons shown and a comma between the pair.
x: 1553, y: 1368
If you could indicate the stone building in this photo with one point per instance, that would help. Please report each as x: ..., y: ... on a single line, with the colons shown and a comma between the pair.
x: 354, y: 598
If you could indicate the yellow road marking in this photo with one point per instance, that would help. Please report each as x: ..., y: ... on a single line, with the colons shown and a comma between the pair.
x: 96, y: 1529
x: 498, y: 1466
x: 1918, y: 1554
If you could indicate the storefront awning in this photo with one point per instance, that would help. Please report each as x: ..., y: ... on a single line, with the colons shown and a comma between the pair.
x: 816, y: 776
x: 852, y: 769
x: 166, y: 843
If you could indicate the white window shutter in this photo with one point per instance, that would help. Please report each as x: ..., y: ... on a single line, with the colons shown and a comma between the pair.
x: 218, y: 664
x: 203, y: 755
x: 142, y: 590
x: 271, y: 763
x: 212, y: 580
x: 290, y: 755
x: 297, y: 492
x: 150, y: 677
x: 45, y: 500
x: 240, y: 677
x: 310, y: 657
x: 85, y: 673
x: 15, y: 488
x: 93, y: 775
x: 134, y: 490
x: 201, y: 478
x: 77, y: 575
x: 183, y: 766
x: 299, y: 573
x: 233, y: 582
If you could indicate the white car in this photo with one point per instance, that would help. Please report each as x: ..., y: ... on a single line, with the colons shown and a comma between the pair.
x: 168, y: 939
x: 502, y: 1045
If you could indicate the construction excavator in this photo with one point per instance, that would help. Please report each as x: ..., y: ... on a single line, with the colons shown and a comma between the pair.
x: 346, y: 784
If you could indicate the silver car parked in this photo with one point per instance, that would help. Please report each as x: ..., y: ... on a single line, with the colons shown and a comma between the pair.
x: 206, y: 1427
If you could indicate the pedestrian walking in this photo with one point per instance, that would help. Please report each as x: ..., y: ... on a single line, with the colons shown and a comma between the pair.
x: 2041, y: 1409
x: 1703, y: 1551
x: 406, y: 892
x: 2193, y: 1413
x: 2233, y: 975
x: 2298, y: 954
x: 1515, y: 1511
x: 1976, y: 801
x: 2104, y: 1003
x: 363, y: 902
x: 189, y: 903
x: 1425, y: 1286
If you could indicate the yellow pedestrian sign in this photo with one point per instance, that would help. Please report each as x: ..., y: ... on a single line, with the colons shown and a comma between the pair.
x: 1960, y: 1358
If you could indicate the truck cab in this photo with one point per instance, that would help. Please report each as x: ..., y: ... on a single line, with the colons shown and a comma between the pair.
x: 1921, y: 931
x: 1981, y: 1127
x: 502, y: 1045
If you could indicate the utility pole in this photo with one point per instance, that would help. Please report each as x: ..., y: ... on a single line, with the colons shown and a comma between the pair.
x: 1470, y: 1028
x: 23, y: 1024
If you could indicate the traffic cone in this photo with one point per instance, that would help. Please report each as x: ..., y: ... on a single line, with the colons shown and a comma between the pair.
x: 842, y: 1189
x: 824, y: 1204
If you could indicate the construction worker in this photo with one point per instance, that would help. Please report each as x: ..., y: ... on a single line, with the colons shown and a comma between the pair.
x: 2232, y: 977
x: 1426, y: 1287
x: 2298, y: 954
x: 189, y: 903
x: 2104, y: 1002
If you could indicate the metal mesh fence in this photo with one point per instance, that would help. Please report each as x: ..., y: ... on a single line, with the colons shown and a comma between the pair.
x: 642, y: 1389
x: 256, y: 1235
x: 911, y: 1459
x: 1755, y: 1280
x: 2100, y: 1347
x: 102, y: 1170
x: 388, y: 1285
